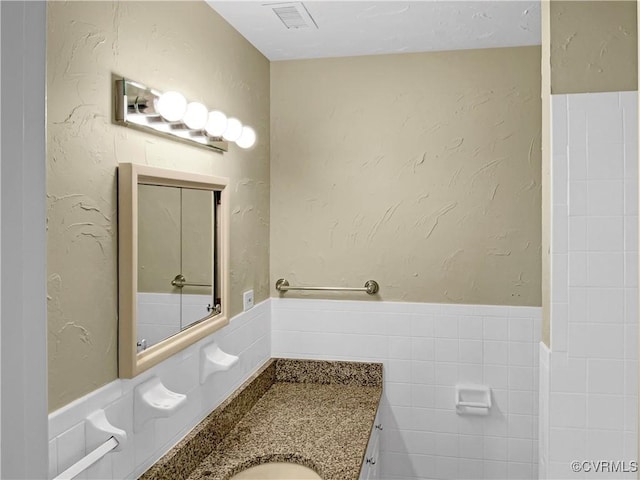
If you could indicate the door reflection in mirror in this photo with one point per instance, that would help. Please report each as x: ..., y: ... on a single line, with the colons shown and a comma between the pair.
x: 176, y: 273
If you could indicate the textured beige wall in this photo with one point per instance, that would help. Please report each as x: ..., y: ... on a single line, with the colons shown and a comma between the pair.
x: 197, y: 239
x: 421, y: 171
x: 593, y: 46
x: 158, y: 238
x: 167, y: 45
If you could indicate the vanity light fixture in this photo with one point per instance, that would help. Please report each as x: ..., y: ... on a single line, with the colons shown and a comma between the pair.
x: 247, y: 137
x: 171, y: 106
x: 196, y: 116
x: 233, y: 131
x: 216, y: 124
x: 169, y: 114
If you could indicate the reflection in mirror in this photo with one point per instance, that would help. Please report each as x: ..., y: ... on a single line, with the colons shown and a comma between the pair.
x: 176, y: 241
x: 173, y: 261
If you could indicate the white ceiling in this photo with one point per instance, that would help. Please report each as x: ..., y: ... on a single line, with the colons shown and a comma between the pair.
x: 347, y: 28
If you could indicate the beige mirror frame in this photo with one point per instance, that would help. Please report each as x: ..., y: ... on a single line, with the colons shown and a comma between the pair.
x: 130, y: 361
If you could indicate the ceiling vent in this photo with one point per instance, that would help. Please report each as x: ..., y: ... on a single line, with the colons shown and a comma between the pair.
x: 294, y: 15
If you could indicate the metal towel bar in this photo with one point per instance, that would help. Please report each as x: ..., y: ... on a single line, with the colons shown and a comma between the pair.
x: 371, y: 287
x: 85, y: 462
x: 180, y: 281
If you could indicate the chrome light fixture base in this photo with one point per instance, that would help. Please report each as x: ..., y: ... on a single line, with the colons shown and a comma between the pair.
x: 135, y: 107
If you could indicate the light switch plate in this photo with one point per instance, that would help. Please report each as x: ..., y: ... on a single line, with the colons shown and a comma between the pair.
x: 247, y: 300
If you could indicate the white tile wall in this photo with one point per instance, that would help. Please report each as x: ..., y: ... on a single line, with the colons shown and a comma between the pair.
x: 194, y: 308
x: 247, y: 335
x: 426, y: 349
x: 158, y: 308
x: 543, y: 411
x: 593, y: 397
x: 161, y: 315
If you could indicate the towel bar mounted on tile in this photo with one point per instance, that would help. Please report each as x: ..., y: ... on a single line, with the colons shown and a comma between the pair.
x: 97, y: 427
x: 371, y: 287
x: 85, y: 462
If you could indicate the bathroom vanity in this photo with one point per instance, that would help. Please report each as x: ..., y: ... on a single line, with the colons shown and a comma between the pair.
x: 319, y: 414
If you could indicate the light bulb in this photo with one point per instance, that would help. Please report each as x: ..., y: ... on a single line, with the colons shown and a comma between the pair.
x: 171, y: 105
x: 233, y: 131
x: 196, y: 116
x: 217, y: 123
x: 247, y: 138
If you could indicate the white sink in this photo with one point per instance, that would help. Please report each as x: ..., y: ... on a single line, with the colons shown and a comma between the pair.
x: 277, y: 471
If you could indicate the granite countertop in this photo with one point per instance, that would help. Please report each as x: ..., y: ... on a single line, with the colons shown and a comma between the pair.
x: 315, y: 413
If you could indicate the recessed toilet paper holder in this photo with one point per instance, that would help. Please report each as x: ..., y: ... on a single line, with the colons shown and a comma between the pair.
x: 473, y: 399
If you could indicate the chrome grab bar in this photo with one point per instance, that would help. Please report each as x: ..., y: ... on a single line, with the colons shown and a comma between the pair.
x: 180, y: 281
x: 371, y: 287
x: 88, y: 460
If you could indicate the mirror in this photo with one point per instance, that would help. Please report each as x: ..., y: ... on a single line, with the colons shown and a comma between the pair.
x: 173, y: 268
x: 176, y: 239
